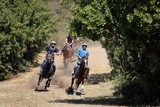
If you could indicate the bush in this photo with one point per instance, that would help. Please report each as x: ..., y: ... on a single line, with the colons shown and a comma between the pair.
x: 25, y: 26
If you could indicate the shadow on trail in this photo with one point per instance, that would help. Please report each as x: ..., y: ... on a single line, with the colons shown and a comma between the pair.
x: 71, y: 93
x: 97, y: 78
x: 95, y: 101
x: 41, y: 90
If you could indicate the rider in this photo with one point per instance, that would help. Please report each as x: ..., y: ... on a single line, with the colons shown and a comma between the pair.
x: 53, y: 51
x: 69, y: 40
x: 81, y: 53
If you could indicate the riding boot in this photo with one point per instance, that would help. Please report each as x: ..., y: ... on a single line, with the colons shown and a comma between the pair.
x: 41, y: 72
x: 75, y: 71
x: 53, y: 67
x: 73, y: 74
x: 42, y: 66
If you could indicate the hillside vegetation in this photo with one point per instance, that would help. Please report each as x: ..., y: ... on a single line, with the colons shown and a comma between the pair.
x: 25, y: 28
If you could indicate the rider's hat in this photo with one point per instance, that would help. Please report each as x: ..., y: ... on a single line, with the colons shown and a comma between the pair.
x: 53, y: 42
x: 84, y: 44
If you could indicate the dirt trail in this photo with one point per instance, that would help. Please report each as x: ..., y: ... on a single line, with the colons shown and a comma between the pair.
x: 19, y: 92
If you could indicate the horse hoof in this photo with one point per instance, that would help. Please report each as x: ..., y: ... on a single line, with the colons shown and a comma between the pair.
x: 45, y: 88
x: 36, y: 89
x: 74, y: 92
x: 70, y: 89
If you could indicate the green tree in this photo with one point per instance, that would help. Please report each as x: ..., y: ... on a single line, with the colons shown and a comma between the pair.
x: 25, y: 27
x: 129, y: 30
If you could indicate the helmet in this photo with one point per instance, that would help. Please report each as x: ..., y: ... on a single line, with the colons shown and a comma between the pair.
x: 84, y: 44
x: 53, y: 42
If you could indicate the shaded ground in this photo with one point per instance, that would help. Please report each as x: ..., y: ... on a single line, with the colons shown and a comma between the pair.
x: 94, y: 101
x: 19, y: 92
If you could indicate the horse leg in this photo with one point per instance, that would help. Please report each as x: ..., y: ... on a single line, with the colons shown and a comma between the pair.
x: 76, y: 86
x: 82, y: 88
x: 48, y: 82
x: 39, y: 81
x: 73, y: 76
x: 72, y: 81
x: 75, y: 89
x: 64, y: 62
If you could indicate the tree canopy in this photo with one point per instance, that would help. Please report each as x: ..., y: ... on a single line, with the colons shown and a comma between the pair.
x: 129, y: 30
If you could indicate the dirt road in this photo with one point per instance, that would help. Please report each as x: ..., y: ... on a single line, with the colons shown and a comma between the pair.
x: 19, y: 92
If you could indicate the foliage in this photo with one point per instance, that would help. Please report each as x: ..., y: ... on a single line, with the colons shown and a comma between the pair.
x: 129, y: 30
x: 25, y: 26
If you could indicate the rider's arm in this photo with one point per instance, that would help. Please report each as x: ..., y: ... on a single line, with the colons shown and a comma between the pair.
x: 46, y: 50
x: 57, y: 52
x: 78, y: 56
x: 66, y: 40
x: 71, y: 42
x: 87, y: 57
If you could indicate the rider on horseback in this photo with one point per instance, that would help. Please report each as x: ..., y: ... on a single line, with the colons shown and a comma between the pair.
x: 69, y: 40
x: 81, y: 53
x: 50, y: 50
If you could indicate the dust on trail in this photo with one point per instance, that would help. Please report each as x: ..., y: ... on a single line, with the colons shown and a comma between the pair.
x: 19, y: 92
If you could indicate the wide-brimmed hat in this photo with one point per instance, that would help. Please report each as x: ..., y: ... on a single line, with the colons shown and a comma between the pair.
x: 53, y: 42
x: 84, y: 44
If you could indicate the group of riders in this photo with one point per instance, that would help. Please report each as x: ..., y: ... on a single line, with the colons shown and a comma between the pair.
x: 53, y: 50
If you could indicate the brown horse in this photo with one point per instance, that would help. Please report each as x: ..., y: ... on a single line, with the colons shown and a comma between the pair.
x: 67, y: 54
x: 48, y: 72
x: 80, y: 76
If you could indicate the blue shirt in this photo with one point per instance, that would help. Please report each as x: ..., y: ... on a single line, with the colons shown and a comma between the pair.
x: 51, y: 50
x: 82, y: 53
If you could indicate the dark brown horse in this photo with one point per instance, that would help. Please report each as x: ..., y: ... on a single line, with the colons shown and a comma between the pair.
x: 80, y: 76
x: 48, y: 72
x: 67, y: 54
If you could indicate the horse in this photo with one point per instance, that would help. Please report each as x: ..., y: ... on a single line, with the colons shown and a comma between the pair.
x: 80, y: 77
x: 48, y: 72
x: 67, y: 54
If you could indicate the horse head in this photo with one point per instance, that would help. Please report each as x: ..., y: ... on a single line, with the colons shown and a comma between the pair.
x: 67, y: 54
x: 67, y: 47
x: 84, y: 61
x: 49, y: 58
x: 47, y: 69
x: 82, y: 69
